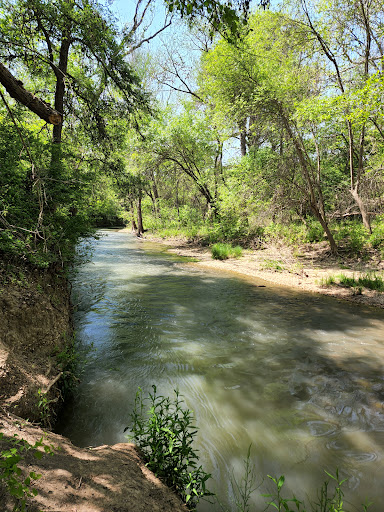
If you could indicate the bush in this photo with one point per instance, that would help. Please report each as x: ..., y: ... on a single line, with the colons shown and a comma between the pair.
x: 377, y: 237
x: 353, y: 234
x: 224, y: 251
x: 165, y: 434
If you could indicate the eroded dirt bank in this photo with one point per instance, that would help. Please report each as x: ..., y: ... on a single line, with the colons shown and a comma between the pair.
x: 305, y: 268
x: 35, y: 324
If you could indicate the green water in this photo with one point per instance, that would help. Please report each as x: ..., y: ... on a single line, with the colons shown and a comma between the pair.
x: 297, y: 375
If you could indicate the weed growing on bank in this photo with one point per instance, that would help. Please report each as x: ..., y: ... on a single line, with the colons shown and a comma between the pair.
x: 224, y: 251
x: 12, y: 454
x: 165, y: 433
x: 371, y: 281
x: 330, y: 496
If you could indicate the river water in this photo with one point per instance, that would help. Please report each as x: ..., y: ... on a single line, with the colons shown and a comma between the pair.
x: 299, y: 376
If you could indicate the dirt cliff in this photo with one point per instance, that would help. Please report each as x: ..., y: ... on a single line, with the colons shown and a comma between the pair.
x: 35, y: 325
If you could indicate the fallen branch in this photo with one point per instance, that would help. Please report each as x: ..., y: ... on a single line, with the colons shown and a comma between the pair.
x: 53, y: 382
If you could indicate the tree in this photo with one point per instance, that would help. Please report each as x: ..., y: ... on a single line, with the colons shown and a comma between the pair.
x: 348, y: 35
x: 259, y: 81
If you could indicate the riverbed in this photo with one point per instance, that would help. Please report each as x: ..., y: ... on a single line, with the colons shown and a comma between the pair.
x: 298, y: 376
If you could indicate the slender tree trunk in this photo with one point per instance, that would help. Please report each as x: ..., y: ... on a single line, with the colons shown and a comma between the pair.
x: 55, y: 189
x: 60, y: 83
x: 140, y: 229
x: 133, y: 223
x: 355, y: 175
x: 300, y: 152
x: 243, y: 137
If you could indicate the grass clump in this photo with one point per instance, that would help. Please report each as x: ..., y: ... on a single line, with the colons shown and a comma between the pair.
x: 165, y: 434
x: 328, y: 281
x: 371, y: 281
x: 275, y: 265
x: 222, y: 251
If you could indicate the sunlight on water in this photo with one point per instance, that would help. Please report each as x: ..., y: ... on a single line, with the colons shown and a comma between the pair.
x: 297, y: 375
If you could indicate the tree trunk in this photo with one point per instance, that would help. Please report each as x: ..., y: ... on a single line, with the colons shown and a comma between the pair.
x: 364, y: 214
x: 17, y: 91
x: 140, y: 229
x: 61, y: 73
x: 243, y: 138
x: 300, y: 152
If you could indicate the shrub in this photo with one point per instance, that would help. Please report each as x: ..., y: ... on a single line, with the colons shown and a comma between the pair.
x: 377, y: 237
x: 353, y: 234
x: 165, y: 434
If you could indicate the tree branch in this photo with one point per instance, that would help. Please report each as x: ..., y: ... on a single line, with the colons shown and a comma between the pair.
x: 16, y: 90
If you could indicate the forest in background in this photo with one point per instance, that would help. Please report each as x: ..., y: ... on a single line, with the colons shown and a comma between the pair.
x: 238, y: 127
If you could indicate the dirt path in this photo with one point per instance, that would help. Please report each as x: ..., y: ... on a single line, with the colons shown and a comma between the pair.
x: 306, y: 268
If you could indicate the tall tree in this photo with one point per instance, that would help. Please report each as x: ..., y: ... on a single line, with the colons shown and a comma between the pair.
x: 263, y: 78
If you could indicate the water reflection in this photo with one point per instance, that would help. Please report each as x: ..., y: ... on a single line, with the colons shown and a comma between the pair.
x: 299, y: 376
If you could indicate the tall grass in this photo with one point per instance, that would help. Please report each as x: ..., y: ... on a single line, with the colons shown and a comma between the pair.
x: 222, y: 251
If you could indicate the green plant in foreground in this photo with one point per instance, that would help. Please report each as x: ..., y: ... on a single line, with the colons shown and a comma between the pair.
x: 18, y: 486
x: 165, y: 434
x: 222, y: 251
x: 330, y: 498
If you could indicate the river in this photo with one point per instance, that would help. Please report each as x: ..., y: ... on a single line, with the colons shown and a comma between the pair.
x: 300, y: 376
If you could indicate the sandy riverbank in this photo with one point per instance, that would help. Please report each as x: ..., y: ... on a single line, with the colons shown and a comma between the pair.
x: 305, y: 268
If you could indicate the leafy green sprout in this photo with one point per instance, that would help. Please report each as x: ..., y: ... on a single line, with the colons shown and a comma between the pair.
x: 164, y: 432
x: 19, y: 486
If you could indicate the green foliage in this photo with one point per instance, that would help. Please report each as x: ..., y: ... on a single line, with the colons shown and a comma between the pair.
x: 69, y: 362
x: 370, y: 280
x: 376, y: 239
x: 44, y: 409
x: 11, y: 474
x: 222, y: 251
x: 353, y: 235
x: 273, y: 265
x: 244, y: 488
x: 281, y: 504
x: 290, y: 234
x: 165, y: 434
x: 330, y: 496
x: 328, y: 281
